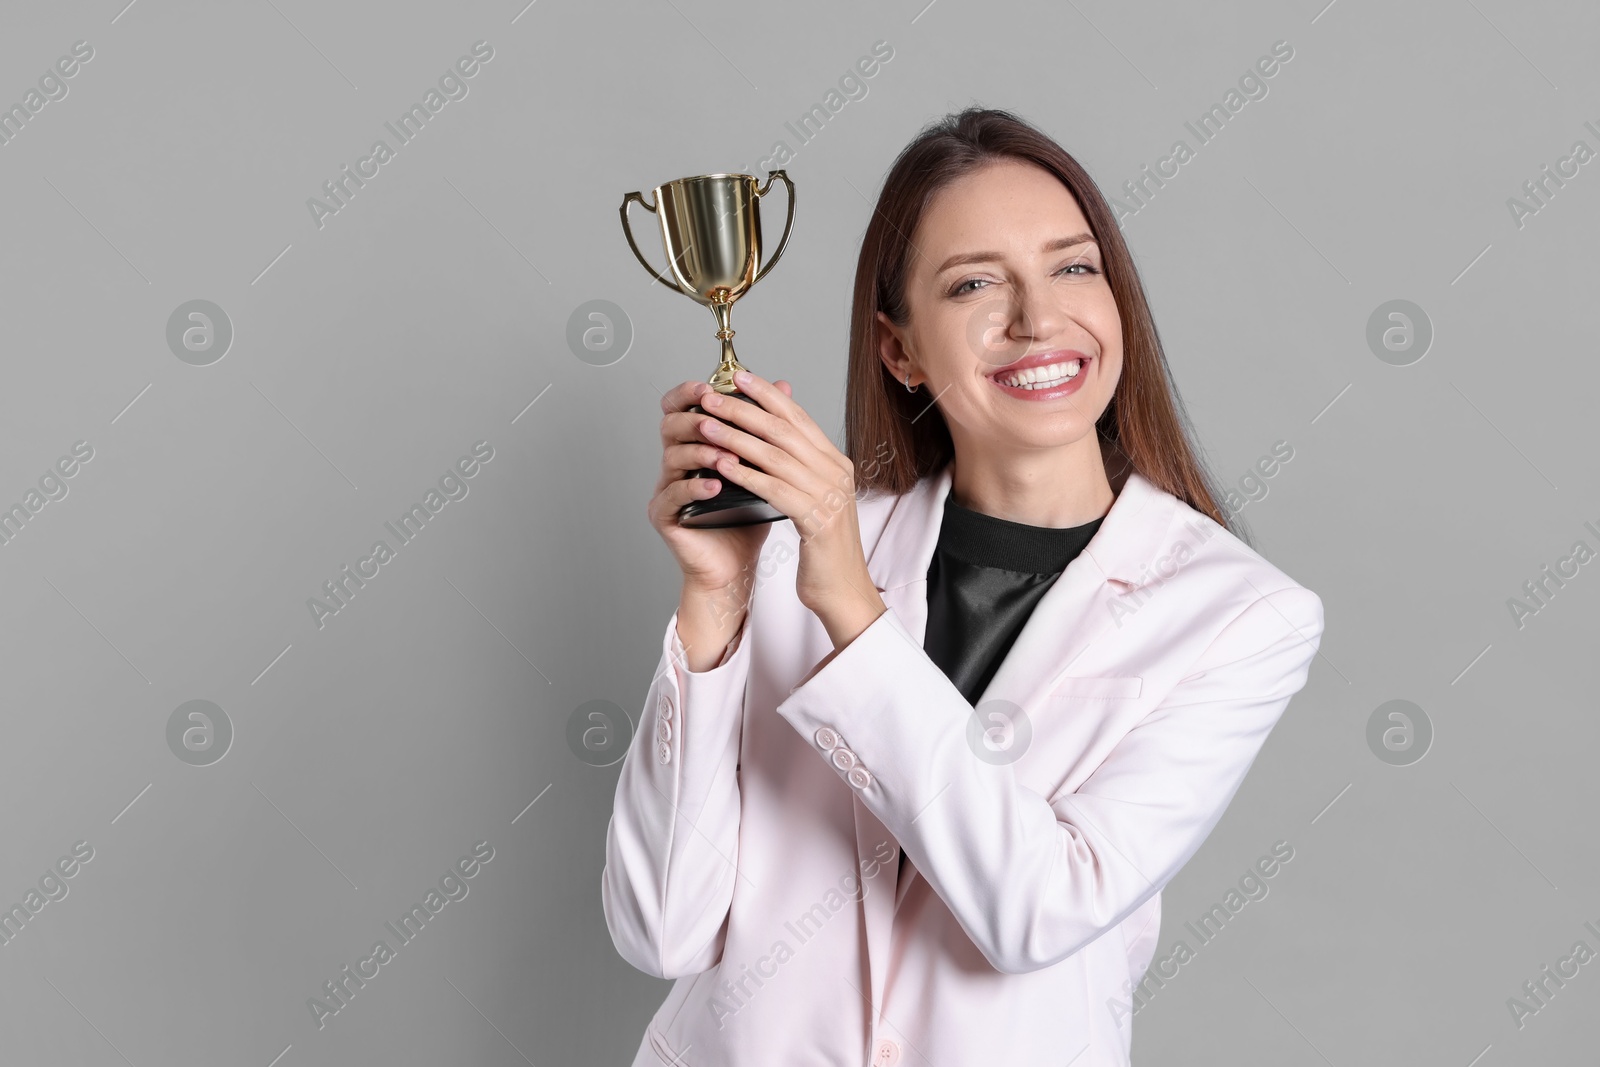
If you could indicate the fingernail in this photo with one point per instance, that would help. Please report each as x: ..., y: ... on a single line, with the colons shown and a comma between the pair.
x: 741, y: 377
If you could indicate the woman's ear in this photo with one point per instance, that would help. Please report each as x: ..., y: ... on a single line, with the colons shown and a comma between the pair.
x: 891, y: 348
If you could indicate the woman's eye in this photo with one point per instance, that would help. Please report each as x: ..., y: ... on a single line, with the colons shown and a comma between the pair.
x: 961, y: 287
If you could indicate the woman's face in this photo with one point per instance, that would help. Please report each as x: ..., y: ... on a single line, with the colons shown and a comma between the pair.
x: 1030, y: 283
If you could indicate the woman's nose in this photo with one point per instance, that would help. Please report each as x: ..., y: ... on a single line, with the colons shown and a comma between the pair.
x: 1037, y: 312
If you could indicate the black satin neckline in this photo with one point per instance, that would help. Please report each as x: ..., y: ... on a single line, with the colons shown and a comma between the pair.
x: 988, y: 541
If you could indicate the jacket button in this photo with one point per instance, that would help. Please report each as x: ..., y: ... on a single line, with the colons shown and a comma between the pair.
x: 827, y: 738
x: 664, y: 751
x: 887, y: 1053
x: 664, y: 707
x: 859, y: 777
x: 844, y: 759
x: 664, y: 730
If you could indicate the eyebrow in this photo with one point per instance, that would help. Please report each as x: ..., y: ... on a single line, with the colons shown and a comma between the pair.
x: 1059, y: 243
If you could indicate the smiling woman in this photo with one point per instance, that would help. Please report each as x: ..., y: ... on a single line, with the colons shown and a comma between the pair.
x: 990, y: 251
x: 1031, y: 653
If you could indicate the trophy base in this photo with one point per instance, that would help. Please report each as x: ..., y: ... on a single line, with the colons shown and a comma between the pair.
x: 734, y: 505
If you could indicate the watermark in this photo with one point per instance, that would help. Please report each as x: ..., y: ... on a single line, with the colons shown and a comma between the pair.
x: 52, y: 86
x: 989, y: 321
x: 52, y: 887
x: 813, y: 121
x: 1551, y: 579
x: 452, y: 486
x: 199, y: 332
x: 52, y: 486
x: 1399, y: 332
x: 1399, y: 732
x: 1538, y: 991
x: 999, y: 732
x: 734, y: 994
x: 1542, y: 189
x: 1252, y: 86
x: 735, y: 596
x: 816, y: 520
x: 599, y: 332
x: 1252, y: 483
x: 343, y: 987
x: 1252, y: 887
x: 1163, y: 569
x: 1197, y: 531
x: 599, y: 732
x: 341, y: 189
x: 199, y: 732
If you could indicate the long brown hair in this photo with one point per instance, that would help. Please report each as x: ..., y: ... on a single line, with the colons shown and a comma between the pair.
x: 893, y: 437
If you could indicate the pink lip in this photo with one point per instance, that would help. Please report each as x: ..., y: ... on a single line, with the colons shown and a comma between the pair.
x: 1066, y: 388
x: 1043, y: 359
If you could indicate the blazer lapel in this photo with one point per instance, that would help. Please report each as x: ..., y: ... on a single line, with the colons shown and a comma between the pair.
x: 1072, y: 614
x: 1073, y: 611
x: 1079, y: 606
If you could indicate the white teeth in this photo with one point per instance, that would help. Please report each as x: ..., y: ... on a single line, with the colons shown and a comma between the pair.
x: 1043, y: 377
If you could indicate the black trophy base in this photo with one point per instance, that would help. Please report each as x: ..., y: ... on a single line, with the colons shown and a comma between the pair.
x: 734, y: 505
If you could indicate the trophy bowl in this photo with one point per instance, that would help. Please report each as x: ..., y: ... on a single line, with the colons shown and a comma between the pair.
x: 711, y: 231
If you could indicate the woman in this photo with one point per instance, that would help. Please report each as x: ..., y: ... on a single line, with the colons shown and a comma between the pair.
x: 915, y: 798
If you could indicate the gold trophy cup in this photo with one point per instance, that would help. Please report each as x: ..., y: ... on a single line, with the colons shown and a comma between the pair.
x: 711, y: 229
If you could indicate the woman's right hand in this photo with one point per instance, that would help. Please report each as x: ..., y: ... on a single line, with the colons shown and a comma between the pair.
x: 711, y: 558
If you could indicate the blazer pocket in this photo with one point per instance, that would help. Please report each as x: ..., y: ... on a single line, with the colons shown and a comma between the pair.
x: 1125, y: 687
x: 663, y: 1051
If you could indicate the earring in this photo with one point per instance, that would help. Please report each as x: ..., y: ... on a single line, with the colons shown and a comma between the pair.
x: 909, y: 387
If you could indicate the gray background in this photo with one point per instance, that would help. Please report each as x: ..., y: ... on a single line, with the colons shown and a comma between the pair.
x: 430, y: 313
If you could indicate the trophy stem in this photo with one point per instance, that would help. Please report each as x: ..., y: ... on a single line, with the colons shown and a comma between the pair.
x: 722, y: 379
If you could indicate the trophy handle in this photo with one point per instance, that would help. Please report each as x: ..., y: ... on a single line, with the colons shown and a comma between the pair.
x: 628, y: 230
x: 788, y: 224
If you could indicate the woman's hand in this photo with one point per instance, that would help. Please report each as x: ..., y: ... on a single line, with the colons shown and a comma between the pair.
x: 804, y: 476
x: 713, y: 558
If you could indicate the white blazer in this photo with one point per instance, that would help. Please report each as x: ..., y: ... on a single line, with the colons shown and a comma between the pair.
x: 762, y: 805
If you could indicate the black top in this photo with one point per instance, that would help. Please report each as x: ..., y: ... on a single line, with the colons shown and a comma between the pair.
x: 985, y: 577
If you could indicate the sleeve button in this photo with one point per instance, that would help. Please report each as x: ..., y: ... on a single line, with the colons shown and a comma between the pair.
x: 827, y: 738
x: 664, y: 751
x: 859, y: 777
x: 844, y: 759
x: 664, y: 730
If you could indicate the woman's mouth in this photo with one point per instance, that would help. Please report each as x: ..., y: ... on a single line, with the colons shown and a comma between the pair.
x: 1043, y: 381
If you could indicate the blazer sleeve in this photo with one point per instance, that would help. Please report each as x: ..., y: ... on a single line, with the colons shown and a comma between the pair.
x: 1033, y: 880
x: 672, y: 844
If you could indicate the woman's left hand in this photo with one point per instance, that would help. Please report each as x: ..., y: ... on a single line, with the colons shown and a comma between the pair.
x: 804, y: 476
